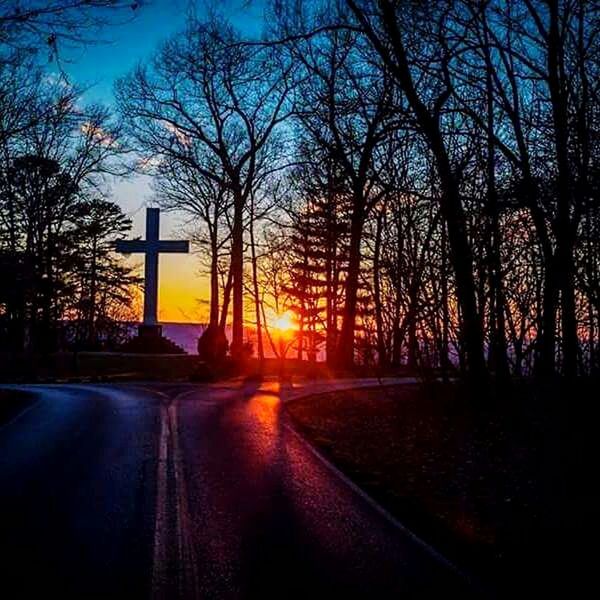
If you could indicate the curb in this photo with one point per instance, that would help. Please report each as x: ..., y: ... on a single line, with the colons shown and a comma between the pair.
x: 357, y: 385
x: 472, y: 581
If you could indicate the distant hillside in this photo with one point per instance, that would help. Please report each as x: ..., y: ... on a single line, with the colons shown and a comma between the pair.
x: 184, y: 334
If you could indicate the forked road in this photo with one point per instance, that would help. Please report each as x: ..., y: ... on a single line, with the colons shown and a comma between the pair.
x: 189, y: 491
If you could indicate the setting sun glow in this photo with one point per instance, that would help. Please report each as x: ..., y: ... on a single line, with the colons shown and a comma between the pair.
x: 284, y: 322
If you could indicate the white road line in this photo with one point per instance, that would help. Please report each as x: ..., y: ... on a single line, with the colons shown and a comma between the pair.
x: 188, y: 569
x: 159, y: 562
x: 169, y: 438
x: 169, y: 453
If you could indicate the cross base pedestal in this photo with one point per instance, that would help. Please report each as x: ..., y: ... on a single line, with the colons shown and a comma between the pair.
x: 150, y: 340
x: 149, y: 332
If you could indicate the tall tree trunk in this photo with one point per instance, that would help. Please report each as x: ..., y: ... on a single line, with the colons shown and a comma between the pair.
x: 546, y: 351
x: 568, y: 316
x: 331, y: 276
x: 462, y: 261
x: 564, y: 247
x: 226, y: 299
x: 330, y: 295
x: 93, y: 283
x: 444, y: 358
x: 396, y: 334
x: 237, y: 267
x: 213, y: 320
x: 498, y: 349
x: 259, y: 338
x: 381, y: 349
x: 412, y: 345
x: 461, y: 257
x: 345, y: 347
x: 301, y: 336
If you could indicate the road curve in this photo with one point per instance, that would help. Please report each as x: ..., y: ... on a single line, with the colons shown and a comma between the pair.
x: 189, y: 491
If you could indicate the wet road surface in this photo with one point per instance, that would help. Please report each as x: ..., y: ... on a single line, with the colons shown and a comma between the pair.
x: 189, y: 491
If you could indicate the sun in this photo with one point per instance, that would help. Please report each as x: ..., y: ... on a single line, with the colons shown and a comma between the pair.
x: 284, y: 322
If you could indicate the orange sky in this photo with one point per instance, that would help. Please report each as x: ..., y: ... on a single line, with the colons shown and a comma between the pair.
x: 95, y: 67
x: 183, y: 290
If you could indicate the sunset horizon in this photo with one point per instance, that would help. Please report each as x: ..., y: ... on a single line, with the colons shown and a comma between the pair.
x: 299, y: 298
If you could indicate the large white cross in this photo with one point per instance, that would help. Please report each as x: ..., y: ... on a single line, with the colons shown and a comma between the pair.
x: 151, y: 247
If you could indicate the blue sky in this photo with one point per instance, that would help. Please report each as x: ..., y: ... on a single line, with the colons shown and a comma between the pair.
x: 125, y: 45
x: 96, y: 67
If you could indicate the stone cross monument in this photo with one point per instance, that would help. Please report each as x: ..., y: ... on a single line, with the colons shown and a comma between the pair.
x: 152, y: 246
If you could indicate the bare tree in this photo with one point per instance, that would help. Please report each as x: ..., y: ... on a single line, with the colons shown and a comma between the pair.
x: 212, y: 104
x: 345, y: 109
x: 28, y: 26
x: 180, y: 187
x: 388, y: 25
x: 48, y: 171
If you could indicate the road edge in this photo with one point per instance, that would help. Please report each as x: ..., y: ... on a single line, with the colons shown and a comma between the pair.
x: 469, y: 578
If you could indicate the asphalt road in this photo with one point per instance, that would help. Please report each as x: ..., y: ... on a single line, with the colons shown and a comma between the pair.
x: 189, y: 491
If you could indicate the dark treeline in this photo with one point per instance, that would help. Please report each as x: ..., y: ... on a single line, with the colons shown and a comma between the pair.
x: 417, y: 182
x: 466, y: 135
x: 60, y: 283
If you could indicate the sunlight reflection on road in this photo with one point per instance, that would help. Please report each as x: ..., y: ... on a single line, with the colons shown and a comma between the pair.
x: 260, y: 417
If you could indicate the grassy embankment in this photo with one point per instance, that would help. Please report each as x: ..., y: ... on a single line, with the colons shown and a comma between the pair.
x: 482, y: 479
